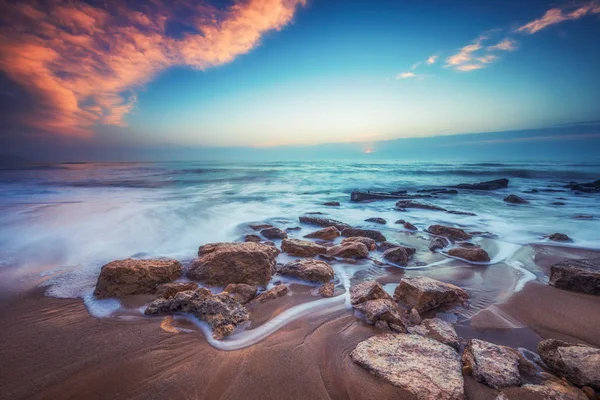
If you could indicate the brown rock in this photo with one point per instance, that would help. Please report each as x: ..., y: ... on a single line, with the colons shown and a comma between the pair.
x: 384, y: 310
x: 575, y: 362
x: 514, y: 199
x: 375, y: 235
x: 559, y: 237
x: 309, y: 270
x: 424, y: 293
x: 376, y: 220
x: 327, y: 289
x: 323, y: 222
x: 439, y: 330
x: 241, y: 292
x: 168, y: 290
x: 449, y: 232
x: 349, y: 250
x: 274, y: 233
x: 271, y: 294
x: 488, y: 185
x: 475, y: 254
x: 415, y: 317
x: 260, y: 227
x: 302, y: 248
x: 252, y: 238
x: 410, y: 226
x: 577, y: 275
x: 397, y: 255
x: 329, y: 233
x: 368, y: 290
x: 403, y: 204
x: 437, y: 243
x: 370, y: 243
x: 332, y: 204
x: 493, y: 365
x: 129, y: 277
x: 400, y: 221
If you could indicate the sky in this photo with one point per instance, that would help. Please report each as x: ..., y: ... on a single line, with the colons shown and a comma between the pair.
x: 80, y: 78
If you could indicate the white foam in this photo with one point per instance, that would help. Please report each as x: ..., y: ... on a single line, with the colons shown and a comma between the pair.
x: 525, y: 275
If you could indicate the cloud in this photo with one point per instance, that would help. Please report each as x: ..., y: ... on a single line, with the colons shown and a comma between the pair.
x: 469, y: 67
x: 557, y: 15
x: 431, y: 60
x: 405, y: 75
x: 83, y: 63
x: 504, y: 45
x: 416, y: 65
x: 465, y: 54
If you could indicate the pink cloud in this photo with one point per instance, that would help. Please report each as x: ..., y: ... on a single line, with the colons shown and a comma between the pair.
x: 83, y: 63
x: 466, y: 53
x: 469, y: 67
x: 431, y: 60
x: 557, y: 15
x: 504, y: 45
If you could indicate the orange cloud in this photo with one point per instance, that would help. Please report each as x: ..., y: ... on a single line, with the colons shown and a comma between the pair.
x: 557, y: 15
x: 466, y: 53
x: 504, y: 45
x: 83, y: 63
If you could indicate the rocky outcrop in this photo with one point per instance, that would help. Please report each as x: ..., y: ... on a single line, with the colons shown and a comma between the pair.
x: 168, y: 290
x: 475, y: 254
x: 302, y: 248
x: 274, y: 233
x: 252, y: 238
x: 397, y: 255
x: 491, y: 364
x: 376, y: 220
x: 358, y: 196
x: 332, y: 204
x: 577, y: 275
x: 575, y: 362
x: 375, y: 235
x: 404, y: 204
x: 128, y: 277
x: 424, y: 367
x: 370, y: 243
x: 223, y: 263
x: 423, y: 293
x: 514, y: 199
x: 222, y: 313
x: 323, y: 222
x: 368, y: 290
x: 591, y: 187
x: 329, y: 233
x: 437, y: 243
x: 439, y: 330
x: 241, y: 292
x: 349, y: 250
x: 488, y: 185
x: 309, y: 270
x: 559, y: 237
x: 327, y: 289
x: 449, y: 232
x: 384, y: 310
x: 274, y: 293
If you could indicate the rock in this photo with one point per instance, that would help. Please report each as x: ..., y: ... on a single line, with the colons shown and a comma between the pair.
x: 309, y: 270
x: 437, y: 243
x: 292, y: 228
x: 558, y: 203
x: 375, y: 235
x: 332, y: 204
x: 414, y: 204
x: 168, y: 290
x: 489, y: 185
x: 493, y: 365
x: 376, y: 220
x: 260, y: 227
x: 461, y: 213
x: 577, y: 275
x: 547, y: 390
x: 410, y: 227
x: 368, y: 290
x: 390, y: 245
x: 252, y: 238
x: 302, y: 248
x: 514, y: 199
x: 327, y: 289
x: 329, y: 233
x: 589, y: 393
x: 221, y: 312
x: 414, y: 317
x: 349, y: 250
x: 370, y: 243
x: 400, y: 221
x: 323, y: 222
x: 274, y: 233
x: 438, y: 191
x: 437, y: 329
x: 591, y: 187
x: 583, y: 216
x: 575, y: 362
x: 397, y: 255
x: 382, y: 326
x: 223, y: 263
x: 451, y: 233
x: 424, y: 367
x: 423, y: 293
x: 384, y: 310
x: 475, y: 254
x: 274, y: 293
x: 559, y: 237
x: 357, y: 196
x: 241, y: 292
x: 129, y: 277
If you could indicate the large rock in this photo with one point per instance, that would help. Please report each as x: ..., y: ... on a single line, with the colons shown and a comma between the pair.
x: 274, y: 233
x: 439, y: 330
x: 168, y: 290
x: 384, y: 310
x: 438, y: 243
x: 423, y: 293
x: 129, y: 277
x: 577, y: 275
x: 241, y: 292
x: 403, y: 204
x: 368, y: 290
x: 449, y: 232
x: 329, y: 233
x: 559, y: 237
x: 488, y: 185
x: 424, y: 367
x: 550, y: 389
x: 370, y: 243
x: 224, y: 263
x: 369, y: 233
x: 514, y: 199
x: 222, y: 313
x: 275, y: 292
x: 376, y: 220
x: 491, y: 364
x: 323, y: 222
x: 349, y: 250
x: 575, y: 362
x: 475, y: 254
x: 309, y: 270
x: 398, y: 255
x: 302, y: 248
x: 327, y: 289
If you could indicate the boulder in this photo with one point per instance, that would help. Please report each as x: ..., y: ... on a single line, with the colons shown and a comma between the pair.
x: 309, y: 270
x: 223, y: 263
x: 368, y: 290
x: 575, y: 362
x: 550, y: 389
x: 302, y: 248
x: 403, y: 204
x: 449, y: 232
x: 559, y: 237
x: 491, y: 364
x: 376, y: 220
x: 129, y: 277
x: 241, y: 292
x: 424, y: 367
x: 475, y: 254
x: 252, y: 238
x: 514, y: 199
x: 400, y: 221
x: 332, y: 204
x: 323, y: 222
x: 329, y: 233
x: 349, y: 250
x: 410, y: 227
x: 488, y: 185
x: 370, y: 243
x: 274, y: 233
x: 274, y: 293
x: 384, y: 310
x: 423, y: 293
x: 397, y: 255
x: 577, y: 275
x: 437, y: 243
x: 375, y: 235
x: 437, y: 329
x: 222, y: 313
x: 327, y: 289
x: 168, y: 290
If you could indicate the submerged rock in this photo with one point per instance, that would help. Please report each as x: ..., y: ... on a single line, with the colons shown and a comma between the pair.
x: 309, y: 270
x: 410, y: 227
x: 414, y: 204
x: 222, y: 313
x: 559, y: 237
x: 349, y: 250
x: 241, y: 292
x: 370, y: 243
x: 475, y: 254
x: 375, y: 235
x: 488, y: 185
x: 274, y: 233
x: 437, y: 243
x: 591, y: 187
x: 357, y: 196
x: 491, y: 364
x: 224, y: 263
x: 423, y: 293
x: 368, y: 290
x: 449, y: 232
x: 302, y: 248
x: 376, y: 220
x: 332, y: 204
x: 575, y: 362
x: 260, y: 227
x: 577, y: 275
x: 168, y: 290
x: 514, y: 199
x: 424, y: 367
x: 439, y: 330
x: 384, y: 310
x: 323, y: 222
x: 274, y: 293
x: 130, y: 277
x: 327, y: 289
x: 329, y: 233
x: 398, y: 255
